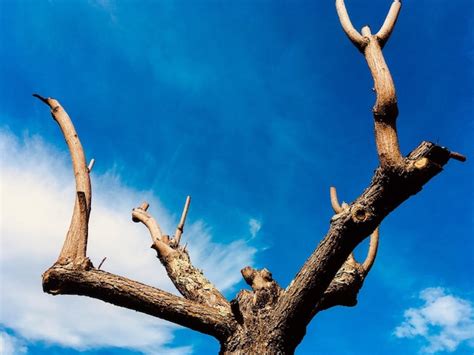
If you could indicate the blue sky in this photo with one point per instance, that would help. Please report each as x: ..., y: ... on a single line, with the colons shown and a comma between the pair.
x: 254, y: 108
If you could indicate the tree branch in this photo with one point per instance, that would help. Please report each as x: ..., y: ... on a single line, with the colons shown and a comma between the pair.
x: 344, y: 288
x: 385, y: 109
x: 388, y: 189
x: 180, y: 228
x: 372, y: 253
x: 189, y: 281
x: 337, y: 208
x: 130, y: 294
x: 349, y: 279
x: 75, y: 244
x: 73, y: 273
x: 334, y: 200
x: 386, y: 30
x: 356, y: 38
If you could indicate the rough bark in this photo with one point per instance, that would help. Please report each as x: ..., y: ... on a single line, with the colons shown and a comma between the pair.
x: 267, y: 318
x: 189, y: 280
x: 123, y: 292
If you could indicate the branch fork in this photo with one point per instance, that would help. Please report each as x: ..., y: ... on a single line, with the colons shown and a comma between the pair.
x: 267, y: 318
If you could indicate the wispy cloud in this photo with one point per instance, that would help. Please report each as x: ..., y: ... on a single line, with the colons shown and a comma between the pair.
x: 254, y: 226
x: 10, y: 345
x: 36, y: 190
x: 444, y: 321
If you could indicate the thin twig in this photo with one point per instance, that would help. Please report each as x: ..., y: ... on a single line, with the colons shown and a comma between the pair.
x: 98, y: 268
x: 91, y: 165
x: 180, y: 228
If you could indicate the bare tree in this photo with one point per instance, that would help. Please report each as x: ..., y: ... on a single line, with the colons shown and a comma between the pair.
x: 267, y: 318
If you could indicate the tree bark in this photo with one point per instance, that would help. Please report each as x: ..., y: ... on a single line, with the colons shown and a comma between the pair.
x: 266, y: 319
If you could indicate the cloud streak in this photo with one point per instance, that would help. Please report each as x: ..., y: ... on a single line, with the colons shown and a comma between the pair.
x: 36, y: 191
x: 254, y: 226
x: 444, y: 321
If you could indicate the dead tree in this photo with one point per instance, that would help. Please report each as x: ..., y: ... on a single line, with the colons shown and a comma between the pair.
x: 267, y: 318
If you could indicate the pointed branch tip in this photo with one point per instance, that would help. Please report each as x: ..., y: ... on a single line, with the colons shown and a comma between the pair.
x: 45, y: 100
x: 98, y: 268
x: 91, y: 165
x: 180, y: 227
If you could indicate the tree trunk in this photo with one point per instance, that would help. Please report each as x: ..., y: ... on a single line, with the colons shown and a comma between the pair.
x: 267, y: 319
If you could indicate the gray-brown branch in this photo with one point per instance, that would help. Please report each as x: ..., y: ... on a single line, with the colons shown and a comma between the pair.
x: 346, y: 284
x: 385, y: 109
x: 328, y: 276
x: 189, y: 280
x: 130, y: 294
x: 387, y: 191
x: 73, y: 273
x: 265, y: 319
x: 75, y: 244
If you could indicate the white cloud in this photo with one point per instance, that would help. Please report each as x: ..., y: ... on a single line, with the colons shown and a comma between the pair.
x: 10, y: 345
x: 36, y: 193
x: 444, y: 321
x: 254, y: 226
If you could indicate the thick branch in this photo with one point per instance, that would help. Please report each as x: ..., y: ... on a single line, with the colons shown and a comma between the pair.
x: 189, y: 280
x: 75, y: 244
x: 344, y: 287
x: 73, y: 273
x: 349, y: 279
x: 385, y: 109
x: 388, y: 189
x: 130, y: 294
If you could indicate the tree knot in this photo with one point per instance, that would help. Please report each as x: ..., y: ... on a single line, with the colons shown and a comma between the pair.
x: 359, y: 213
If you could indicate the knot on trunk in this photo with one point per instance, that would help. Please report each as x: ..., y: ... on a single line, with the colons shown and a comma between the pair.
x: 265, y: 290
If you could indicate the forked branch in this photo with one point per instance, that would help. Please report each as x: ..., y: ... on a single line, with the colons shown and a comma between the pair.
x: 189, y: 280
x: 385, y: 109
x: 373, y: 244
x: 387, y: 191
x: 73, y: 273
x: 346, y: 284
x: 267, y: 318
x: 330, y: 274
